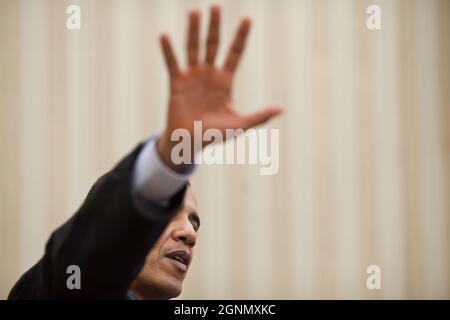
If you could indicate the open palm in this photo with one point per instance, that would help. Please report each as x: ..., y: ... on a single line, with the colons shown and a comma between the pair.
x: 203, y: 91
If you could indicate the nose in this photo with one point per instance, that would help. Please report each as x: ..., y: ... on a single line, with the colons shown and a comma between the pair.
x: 184, y: 232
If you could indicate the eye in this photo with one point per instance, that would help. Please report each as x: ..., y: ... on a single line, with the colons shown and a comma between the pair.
x: 194, y: 220
x: 195, y: 225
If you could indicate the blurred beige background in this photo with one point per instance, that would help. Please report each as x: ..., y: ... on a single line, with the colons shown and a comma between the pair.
x: 365, y: 140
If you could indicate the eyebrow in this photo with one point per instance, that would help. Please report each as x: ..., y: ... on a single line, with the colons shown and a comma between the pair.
x: 194, y: 216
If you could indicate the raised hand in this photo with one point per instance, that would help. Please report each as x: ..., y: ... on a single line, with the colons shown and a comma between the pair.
x: 203, y: 91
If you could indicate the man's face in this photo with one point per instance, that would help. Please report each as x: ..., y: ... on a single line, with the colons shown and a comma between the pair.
x: 166, y: 264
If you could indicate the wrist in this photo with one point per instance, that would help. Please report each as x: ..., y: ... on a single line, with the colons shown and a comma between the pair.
x: 165, y: 150
x: 164, y: 147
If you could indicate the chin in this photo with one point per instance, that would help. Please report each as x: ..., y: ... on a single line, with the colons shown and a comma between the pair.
x: 171, y: 288
x: 163, y: 289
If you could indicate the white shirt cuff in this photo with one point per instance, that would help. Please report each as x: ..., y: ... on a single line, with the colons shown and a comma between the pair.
x: 153, y: 180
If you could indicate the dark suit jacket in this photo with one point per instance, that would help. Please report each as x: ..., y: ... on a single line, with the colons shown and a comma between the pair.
x: 108, y: 238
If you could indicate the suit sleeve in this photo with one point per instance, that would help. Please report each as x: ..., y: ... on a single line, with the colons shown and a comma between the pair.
x: 108, y: 238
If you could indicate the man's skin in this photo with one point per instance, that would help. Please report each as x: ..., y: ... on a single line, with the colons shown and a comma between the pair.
x: 162, y: 277
x: 201, y: 92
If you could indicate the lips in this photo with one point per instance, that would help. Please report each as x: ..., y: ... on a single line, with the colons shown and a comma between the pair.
x: 180, y: 258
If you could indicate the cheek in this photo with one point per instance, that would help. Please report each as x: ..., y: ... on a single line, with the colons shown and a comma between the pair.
x: 156, y: 252
x: 154, y: 265
x: 152, y: 258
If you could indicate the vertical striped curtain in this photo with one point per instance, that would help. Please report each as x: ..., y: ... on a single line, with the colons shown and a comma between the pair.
x: 364, y: 173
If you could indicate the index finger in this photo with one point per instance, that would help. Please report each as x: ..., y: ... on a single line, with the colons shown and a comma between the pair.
x: 237, y: 48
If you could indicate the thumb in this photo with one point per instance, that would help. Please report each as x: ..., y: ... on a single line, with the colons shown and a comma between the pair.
x: 260, y: 117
